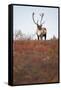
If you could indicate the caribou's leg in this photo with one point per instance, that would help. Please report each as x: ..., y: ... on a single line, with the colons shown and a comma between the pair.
x: 41, y: 37
x: 38, y: 37
x: 45, y: 36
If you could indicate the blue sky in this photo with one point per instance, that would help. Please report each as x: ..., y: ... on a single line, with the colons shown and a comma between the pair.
x: 22, y: 20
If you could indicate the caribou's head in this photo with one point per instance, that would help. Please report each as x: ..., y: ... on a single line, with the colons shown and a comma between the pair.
x: 39, y: 26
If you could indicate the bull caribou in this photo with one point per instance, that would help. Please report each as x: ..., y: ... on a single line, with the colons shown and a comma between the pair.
x: 40, y: 31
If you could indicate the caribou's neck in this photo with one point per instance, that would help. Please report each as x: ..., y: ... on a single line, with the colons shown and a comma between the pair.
x: 39, y: 27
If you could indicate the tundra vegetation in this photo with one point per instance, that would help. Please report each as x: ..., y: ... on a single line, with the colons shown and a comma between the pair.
x: 35, y: 61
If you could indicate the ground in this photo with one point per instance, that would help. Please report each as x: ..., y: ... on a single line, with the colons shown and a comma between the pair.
x: 35, y: 61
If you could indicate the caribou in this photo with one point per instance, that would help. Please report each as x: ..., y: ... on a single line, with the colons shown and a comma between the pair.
x: 40, y: 31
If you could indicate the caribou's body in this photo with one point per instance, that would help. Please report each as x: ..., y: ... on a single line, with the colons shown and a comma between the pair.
x: 40, y: 31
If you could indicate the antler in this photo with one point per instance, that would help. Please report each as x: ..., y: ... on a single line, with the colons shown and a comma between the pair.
x: 41, y: 18
x: 33, y: 18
